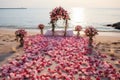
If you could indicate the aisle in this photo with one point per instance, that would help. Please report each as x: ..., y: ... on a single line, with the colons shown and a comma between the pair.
x: 58, y: 58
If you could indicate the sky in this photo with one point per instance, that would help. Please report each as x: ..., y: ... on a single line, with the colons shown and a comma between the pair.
x: 63, y: 3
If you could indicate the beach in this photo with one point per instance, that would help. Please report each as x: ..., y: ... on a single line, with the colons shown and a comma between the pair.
x: 103, y: 43
x: 107, y: 42
x: 62, y: 41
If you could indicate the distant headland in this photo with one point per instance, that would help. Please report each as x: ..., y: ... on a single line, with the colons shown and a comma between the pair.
x: 13, y: 8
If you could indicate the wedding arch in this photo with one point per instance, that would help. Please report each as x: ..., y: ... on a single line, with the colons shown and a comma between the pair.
x: 55, y: 15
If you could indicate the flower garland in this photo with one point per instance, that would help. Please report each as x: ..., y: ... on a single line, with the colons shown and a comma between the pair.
x: 59, y: 13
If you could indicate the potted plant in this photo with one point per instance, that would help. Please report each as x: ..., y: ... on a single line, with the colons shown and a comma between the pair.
x: 90, y: 32
x: 78, y: 28
x: 41, y: 27
x: 20, y: 34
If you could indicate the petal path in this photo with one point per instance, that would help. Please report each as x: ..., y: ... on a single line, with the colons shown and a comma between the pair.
x: 58, y: 58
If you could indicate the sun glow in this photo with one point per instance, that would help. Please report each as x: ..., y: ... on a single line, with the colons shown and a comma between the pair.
x: 77, y: 16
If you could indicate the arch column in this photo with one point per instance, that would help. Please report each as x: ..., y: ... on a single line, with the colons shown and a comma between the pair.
x: 66, y: 25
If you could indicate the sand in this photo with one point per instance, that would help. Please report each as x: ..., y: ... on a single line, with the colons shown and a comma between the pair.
x: 106, y: 42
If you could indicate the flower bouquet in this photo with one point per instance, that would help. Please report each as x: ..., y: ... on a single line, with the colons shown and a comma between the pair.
x: 78, y: 28
x: 20, y: 34
x: 90, y: 32
x: 41, y: 27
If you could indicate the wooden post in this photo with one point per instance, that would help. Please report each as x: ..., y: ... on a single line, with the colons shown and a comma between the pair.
x: 53, y: 28
x: 41, y: 31
x: 78, y: 33
x: 21, y: 41
x: 90, y: 41
x: 66, y: 25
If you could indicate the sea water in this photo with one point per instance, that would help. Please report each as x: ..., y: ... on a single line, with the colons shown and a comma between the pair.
x: 30, y: 18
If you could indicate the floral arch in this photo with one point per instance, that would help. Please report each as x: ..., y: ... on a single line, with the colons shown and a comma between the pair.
x: 55, y: 15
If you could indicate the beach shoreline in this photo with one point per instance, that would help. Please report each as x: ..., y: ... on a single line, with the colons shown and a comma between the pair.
x: 101, y: 37
x: 100, y: 33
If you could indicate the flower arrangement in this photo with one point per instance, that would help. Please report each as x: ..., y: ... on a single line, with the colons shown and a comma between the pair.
x: 78, y: 28
x: 90, y: 32
x: 59, y: 13
x: 41, y: 27
x: 20, y: 34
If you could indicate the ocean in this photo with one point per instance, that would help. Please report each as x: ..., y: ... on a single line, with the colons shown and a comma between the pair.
x: 30, y: 18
